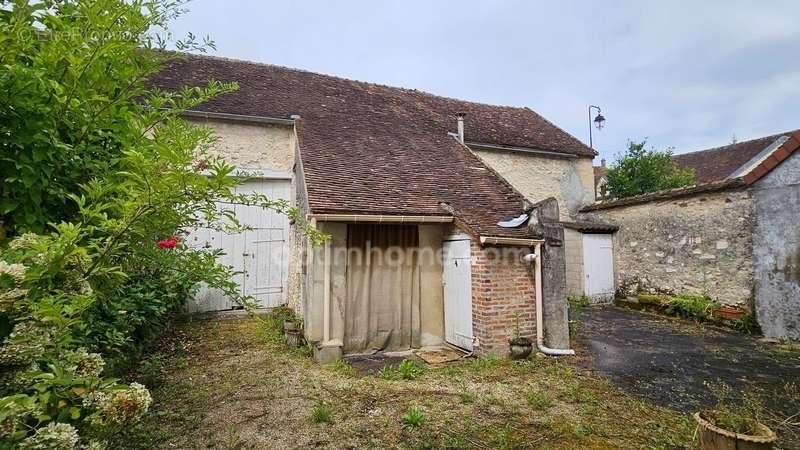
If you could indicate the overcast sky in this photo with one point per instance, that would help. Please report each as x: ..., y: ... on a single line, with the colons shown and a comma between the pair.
x: 688, y: 75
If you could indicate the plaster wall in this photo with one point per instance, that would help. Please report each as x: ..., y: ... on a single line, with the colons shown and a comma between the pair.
x: 253, y: 146
x: 537, y: 177
x: 776, y: 250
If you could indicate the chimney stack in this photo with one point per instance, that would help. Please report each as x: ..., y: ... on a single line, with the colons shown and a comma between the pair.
x: 460, y: 117
x: 603, y: 162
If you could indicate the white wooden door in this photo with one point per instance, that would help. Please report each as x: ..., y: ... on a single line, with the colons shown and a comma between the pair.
x: 457, y: 278
x: 598, y: 267
x: 259, y: 254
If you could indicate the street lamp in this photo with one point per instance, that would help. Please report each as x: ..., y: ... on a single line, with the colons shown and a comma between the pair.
x: 598, y: 121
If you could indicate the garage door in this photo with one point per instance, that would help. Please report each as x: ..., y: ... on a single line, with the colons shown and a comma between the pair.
x: 259, y: 254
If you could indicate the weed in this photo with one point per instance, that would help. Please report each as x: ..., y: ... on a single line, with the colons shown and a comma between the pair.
x: 540, y: 400
x: 737, y: 413
x: 321, y: 414
x: 488, y: 362
x: 406, y: 370
x: 692, y: 306
x: 232, y: 440
x: 342, y: 367
x: 576, y: 306
x: 746, y: 324
x: 413, y: 417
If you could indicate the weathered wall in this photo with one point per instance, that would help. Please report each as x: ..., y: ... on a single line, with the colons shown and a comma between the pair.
x: 573, y: 249
x: 776, y: 250
x: 568, y: 180
x: 503, y: 288
x: 253, y: 146
x: 700, y: 244
x: 431, y: 287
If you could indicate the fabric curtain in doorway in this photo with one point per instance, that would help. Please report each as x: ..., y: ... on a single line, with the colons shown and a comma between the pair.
x: 383, y: 291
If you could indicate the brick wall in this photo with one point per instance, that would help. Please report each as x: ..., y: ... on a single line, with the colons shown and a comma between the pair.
x: 502, y: 286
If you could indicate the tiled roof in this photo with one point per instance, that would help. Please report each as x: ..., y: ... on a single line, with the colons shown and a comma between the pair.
x: 375, y: 149
x: 717, y: 164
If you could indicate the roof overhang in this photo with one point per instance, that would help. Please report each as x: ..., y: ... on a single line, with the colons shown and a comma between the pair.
x: 378, y: 218
x: 237, y: 117
x: 518, y: 242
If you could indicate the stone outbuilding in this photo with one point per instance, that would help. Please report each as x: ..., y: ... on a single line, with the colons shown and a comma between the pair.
x: 735, y: 236
x: 412, y: 189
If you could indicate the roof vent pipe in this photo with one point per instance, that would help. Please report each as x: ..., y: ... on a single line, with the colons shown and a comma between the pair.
x: 460, y: 117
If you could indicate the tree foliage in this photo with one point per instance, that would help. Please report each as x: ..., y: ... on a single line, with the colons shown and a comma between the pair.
x: 639, y: 171
x: 97, y: 172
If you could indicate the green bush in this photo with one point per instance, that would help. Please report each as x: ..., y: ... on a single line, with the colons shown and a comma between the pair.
x: 100, y: 180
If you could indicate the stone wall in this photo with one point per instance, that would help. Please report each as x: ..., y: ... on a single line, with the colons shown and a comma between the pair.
x: 700, y: 245
x: 503, y: 288
x: 537, y: 177
x: 253, y: 146
x: 776, y: 250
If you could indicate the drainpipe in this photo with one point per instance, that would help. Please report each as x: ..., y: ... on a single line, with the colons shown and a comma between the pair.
x: 537, y: 262
x: 460, y: 117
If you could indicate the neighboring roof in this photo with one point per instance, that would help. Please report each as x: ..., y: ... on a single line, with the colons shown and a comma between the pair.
x: 374, y: 149
x: 585, y: 226
x: 717, y: 164
x: 669, y: 194
x: 742, y: 165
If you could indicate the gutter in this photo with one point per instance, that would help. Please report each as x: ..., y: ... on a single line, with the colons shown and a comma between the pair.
x: 377, y: 218
x: 238, y: 117
x: 496, y: 240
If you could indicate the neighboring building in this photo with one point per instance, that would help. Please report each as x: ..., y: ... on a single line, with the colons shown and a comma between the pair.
x: 601, y: 181
x: 734, y: 236
x: 411, y: 197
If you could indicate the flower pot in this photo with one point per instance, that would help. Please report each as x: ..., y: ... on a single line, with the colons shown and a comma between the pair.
x: 294, y: 338
x: 713, y: 437
x: 728, y: 313
x: 520, y: 348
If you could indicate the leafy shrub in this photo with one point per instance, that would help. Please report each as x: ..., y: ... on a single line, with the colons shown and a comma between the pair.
x: 413, y: 417
x: 321, y: 414
x: 692, y: 306
x: 111, y: 178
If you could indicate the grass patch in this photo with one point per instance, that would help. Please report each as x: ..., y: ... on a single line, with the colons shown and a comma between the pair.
x: 540, y: 400
x: 321, y: 414
x: 242, y: 369
x: 413, y: 417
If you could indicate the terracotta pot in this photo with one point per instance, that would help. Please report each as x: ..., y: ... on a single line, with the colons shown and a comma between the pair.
x: 713, y: 437
x: 728, y: 313
x: 520, y: 349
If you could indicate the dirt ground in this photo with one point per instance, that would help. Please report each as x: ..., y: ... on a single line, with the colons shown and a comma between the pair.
x: 667, y: 362
x: 234, y: 384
